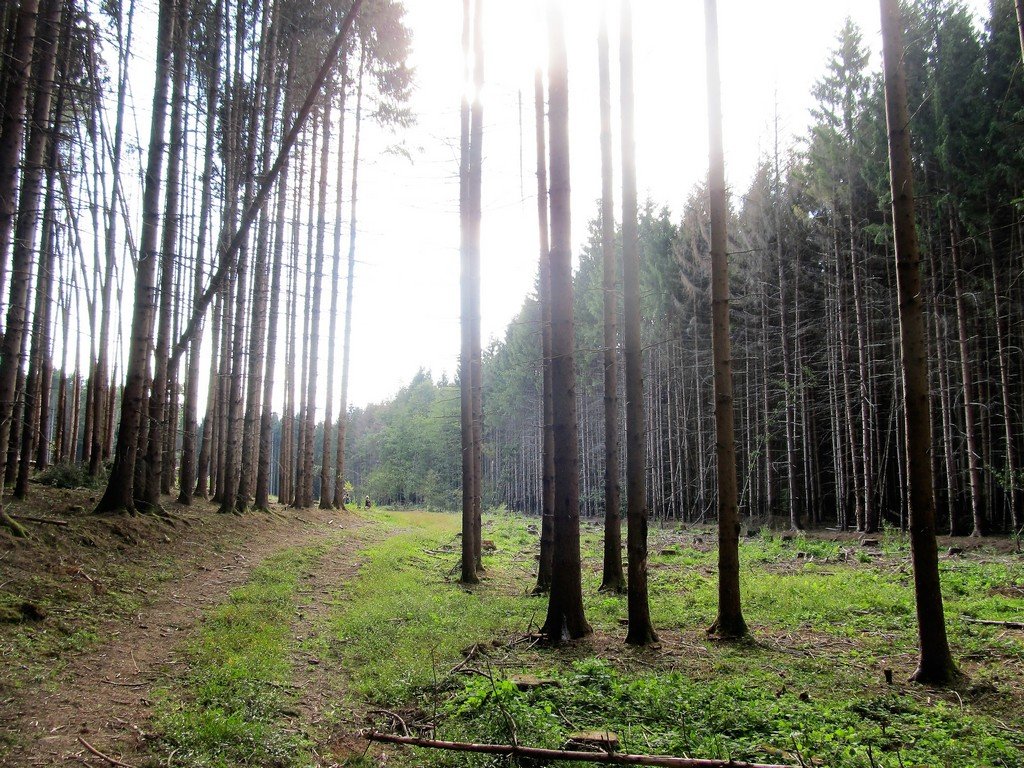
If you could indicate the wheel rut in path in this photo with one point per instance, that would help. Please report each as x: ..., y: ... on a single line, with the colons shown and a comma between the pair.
x: 103, y: 694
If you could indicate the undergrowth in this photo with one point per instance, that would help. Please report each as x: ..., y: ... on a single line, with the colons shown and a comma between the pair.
x: 826, y: 618
x: 412, y: 648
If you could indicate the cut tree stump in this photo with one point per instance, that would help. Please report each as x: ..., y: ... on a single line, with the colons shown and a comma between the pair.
x: 529, y: 682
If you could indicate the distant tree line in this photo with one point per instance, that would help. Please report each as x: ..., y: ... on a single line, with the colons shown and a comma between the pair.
x: 818, y: 387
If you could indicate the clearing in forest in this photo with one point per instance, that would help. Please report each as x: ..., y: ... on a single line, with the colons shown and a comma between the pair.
x: 276, y: 639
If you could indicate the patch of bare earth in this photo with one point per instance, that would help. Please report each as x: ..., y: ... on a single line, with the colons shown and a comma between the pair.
x: 54, y: 707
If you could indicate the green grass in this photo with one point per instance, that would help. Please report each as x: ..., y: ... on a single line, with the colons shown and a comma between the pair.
x: 809, y: 686
x: 230, y: 708
x: 825, y: 619
x: 405, y: 618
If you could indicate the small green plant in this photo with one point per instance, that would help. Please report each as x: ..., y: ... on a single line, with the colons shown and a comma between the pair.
x: 71, y: 475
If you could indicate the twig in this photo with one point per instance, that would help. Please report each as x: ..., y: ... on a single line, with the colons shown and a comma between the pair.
x: 613, y: 758
x: 473, y: 651
x: 46, y: 520
x: 99, y: 754
x: 474, y: 671
x: 124, y: 685
x: 397, y: 718
x: 1005, y: 624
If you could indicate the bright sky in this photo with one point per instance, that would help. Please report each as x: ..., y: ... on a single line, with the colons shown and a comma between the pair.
x: 407, y: 282
x: 406, y: 313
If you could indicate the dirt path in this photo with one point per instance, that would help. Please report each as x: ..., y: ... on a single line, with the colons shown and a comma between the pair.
x: 102, y: 695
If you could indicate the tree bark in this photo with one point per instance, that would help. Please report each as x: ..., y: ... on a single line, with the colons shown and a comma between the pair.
x: 546, y: 755
x: 612, y: 577
x: 266, y: 85
x: 158, y: 396
x: 1019, y: 5
x: 476, y: 135
x: 18, y: 71
x: 189, y: 461
x: 565, y: 616
x: 967, y: 380
x: 329, y: 479
x: 339, y: 489
x: 641, y: 631
x: 470, y: 473
x: 935, y: 665
x: 120, y: 486
x: 41, y: 145
x: 263, y: 468
x: 547, y: 530
x: 729, y: 622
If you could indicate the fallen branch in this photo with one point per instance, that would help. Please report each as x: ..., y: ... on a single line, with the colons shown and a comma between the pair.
x: 1004, y: 624
x: 100, y: 755
x: 46, y: 520
x: 611, y: 758
x: 396, y: 717
x: 473, y: 651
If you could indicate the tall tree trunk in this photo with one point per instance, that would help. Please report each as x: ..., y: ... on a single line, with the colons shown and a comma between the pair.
x: 25, y: 229
x: 263, y: 468
x: 729, y: 622
x: 1002, y: 335
x: 266, y: 86
x: 46, y: 342
x: 18, y: 71
x: 207, y: 447
x: 339, y: 456
x: 547, y: 529
x: 789, y: 382
x: 330, y: 492
x: 309, y: 415
x: 476, y: 134
x: 39, y: 346
x: 101, y: 387
x: 565, y: 617
x: 158, y: 396
x: 866, y: 478
x: 41, y: 144
x: 967, y: 379
x: 234, y: 471
x: 470, y: 471
x: 641, y: 631
x: 612, y: 577
x: 935, y: 665
x: 189, y: 461
x: 119, y: 491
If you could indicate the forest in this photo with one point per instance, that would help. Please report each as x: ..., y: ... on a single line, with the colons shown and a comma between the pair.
x: 820, y: 437
x: 740, y: 484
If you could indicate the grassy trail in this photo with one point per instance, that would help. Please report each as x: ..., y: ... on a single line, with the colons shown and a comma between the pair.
x: 397, y: 644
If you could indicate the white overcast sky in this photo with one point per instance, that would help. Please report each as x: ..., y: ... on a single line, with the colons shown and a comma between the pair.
x: 407, y: 283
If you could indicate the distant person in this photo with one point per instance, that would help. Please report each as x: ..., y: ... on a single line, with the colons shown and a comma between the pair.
x: 366, y: 503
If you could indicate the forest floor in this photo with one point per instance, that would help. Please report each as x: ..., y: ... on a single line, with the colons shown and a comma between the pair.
x: 274, y: 639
